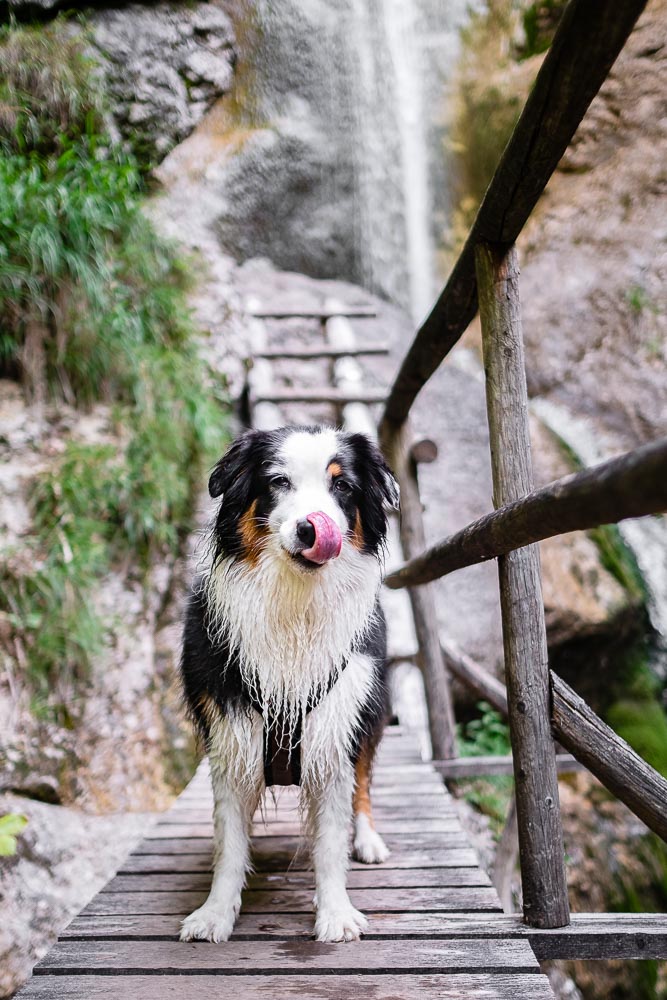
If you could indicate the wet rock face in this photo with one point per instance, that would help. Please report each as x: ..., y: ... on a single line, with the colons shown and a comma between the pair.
x: 594, y: 266
x: 164, y: 65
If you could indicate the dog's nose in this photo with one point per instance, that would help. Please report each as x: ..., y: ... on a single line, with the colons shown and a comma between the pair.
x: 305, y: 532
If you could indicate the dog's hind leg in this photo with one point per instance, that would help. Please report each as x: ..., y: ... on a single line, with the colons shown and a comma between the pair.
x: 369, y: 846
x: 330, y: 808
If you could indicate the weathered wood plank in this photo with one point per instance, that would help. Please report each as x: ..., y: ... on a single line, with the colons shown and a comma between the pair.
x: 369, y: 877
x: 322, y: 395
x: 632, y: 485
x: 452, y: 827
x: 273, y: 853
x: 609, y: 757
x: 294, y: 901
x: 306, y: 312
x: 475, y: 767
x: 544, y: 885
x: 277, y: 860
x: 251, y: 925
x: 588, y: 39
x: 459, y: 986
x: 310, y: 351
x: 262, y: 957
x: 590, y: 936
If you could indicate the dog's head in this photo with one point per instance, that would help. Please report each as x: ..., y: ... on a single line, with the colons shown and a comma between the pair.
x: 303, y: 493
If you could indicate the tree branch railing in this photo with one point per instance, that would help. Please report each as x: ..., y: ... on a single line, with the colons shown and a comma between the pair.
x: 632, y: 485
x: 540, y: 706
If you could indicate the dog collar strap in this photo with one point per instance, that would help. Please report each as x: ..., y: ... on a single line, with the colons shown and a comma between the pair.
x: 282, y: 746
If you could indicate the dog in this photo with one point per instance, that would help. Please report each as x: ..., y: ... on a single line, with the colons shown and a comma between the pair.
x: 284, y: 649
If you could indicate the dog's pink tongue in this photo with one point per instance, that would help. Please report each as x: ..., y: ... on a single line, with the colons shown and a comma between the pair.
x: 328, y: 539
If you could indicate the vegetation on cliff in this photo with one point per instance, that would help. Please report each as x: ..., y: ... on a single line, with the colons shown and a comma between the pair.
x: 94, y: 310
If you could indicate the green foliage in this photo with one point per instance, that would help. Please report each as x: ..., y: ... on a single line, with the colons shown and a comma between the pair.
x: 619, y: 559
x: 92, y: 307
x: 47, y: 91
x: 643, y: 724
x: 638, y: 299
x: 10, y: 826
x: 487, y: 735
x: 540, y: 21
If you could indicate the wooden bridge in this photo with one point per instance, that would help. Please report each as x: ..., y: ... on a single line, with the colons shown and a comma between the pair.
x: 437, y: 928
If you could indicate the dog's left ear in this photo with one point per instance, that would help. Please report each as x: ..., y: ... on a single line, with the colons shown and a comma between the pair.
x: 233, y: 464
x: 391, y: 490
x: 381, y: 476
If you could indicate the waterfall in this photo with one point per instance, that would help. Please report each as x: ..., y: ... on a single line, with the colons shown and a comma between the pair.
x: 404, y: 56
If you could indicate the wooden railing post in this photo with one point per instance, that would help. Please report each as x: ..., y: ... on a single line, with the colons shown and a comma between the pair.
x: 544, y: 885
x: 431, y: 658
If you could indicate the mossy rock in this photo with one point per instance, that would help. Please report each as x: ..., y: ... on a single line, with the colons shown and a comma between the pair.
x: 643, y: 724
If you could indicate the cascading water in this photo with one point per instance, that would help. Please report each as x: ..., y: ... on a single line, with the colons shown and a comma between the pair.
x: 405, y: 57
x: 336, y: 168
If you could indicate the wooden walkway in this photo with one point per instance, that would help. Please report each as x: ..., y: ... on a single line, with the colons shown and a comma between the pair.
x: 436, y: 927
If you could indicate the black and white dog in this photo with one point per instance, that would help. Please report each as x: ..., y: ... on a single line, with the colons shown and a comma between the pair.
x: 284, y: 656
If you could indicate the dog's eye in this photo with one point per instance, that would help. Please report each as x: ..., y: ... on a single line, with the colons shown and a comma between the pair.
x: 280, y: 482
x: 341, y: 486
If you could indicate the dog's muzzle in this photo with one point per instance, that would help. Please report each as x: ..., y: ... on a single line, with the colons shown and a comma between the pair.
x: 321, y: 536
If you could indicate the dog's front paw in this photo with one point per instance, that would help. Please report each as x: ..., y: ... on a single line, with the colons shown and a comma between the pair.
x: 369, y: 847
x: 340, y: 923
x: 209, y: 923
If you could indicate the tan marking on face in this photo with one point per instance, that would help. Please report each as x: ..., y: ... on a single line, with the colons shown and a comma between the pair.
x: 252, y: 533
x: 334, y: 469
x: 358, y: 534
x: 361, y: 801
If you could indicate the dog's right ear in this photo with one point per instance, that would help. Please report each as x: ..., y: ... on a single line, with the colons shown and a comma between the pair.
x: 233, y: 464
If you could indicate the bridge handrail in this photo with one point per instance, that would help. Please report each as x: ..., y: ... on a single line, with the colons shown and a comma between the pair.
x: 631, y: 485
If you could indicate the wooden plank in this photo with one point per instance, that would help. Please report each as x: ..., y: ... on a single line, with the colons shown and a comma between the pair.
x: 609, y: 757
x: 324, y: 394
x: 295, y: 901
x: 287, y: 829
x: 275, y: 860
x: 262, y: 957
x: 363, y: 878
x: 589, y: 37
x: 310, y: 351
x: 252, y: 925
x: 306, y: 312
x: 632, y: 485
x: 475, y: 767
x: 544, y: 885
x: 458, y: 986
x: 590, y: 936
x: 274, y: 853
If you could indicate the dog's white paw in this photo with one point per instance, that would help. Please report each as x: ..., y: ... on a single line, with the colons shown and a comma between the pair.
x: 209, y: 923
x: 340, y: 923
x: 368, y: 847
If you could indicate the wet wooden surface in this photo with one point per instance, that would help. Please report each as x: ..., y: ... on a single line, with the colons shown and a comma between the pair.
x: 436, y: 927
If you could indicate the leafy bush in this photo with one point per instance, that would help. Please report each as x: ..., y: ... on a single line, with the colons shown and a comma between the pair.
x: 47, y: 90
x: 487, y: 735
x: 92, y: 307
